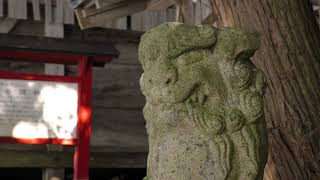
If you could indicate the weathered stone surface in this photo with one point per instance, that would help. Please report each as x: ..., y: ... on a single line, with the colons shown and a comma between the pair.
x: 204, y: 106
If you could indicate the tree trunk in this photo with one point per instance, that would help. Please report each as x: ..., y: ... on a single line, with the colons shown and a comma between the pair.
x: 290, y: 58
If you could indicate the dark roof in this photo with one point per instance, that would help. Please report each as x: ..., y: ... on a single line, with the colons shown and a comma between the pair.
x: 44, y: 44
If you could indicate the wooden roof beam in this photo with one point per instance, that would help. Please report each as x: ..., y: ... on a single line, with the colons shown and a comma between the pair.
x: 99, y: 17
x: 155, y: 5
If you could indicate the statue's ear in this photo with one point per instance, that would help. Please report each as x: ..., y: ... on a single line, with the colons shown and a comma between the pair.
x: 247, y: 45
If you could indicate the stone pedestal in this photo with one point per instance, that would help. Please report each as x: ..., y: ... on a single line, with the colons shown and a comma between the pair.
x: 204, y: 105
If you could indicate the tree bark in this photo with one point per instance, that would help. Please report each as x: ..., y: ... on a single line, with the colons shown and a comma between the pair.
x: 290, y: 58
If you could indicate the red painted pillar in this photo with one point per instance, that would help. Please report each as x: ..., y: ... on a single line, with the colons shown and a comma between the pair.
x: 82, y: 150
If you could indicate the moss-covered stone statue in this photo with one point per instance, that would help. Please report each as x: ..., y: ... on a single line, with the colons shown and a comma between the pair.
x: 204, y: 106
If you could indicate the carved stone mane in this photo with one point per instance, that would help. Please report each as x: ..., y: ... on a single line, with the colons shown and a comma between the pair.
x: 204, y: 106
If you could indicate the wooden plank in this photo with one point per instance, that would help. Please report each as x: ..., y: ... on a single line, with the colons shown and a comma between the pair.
x: 54, y: 69
x: 36, y: 10
x: 53, y: 19
x: 100, y: 19
x: 93, y: 11
x: 7, y: 24
x: 156, y: 5
x: 21, y: 67
x: 48, y: 11
x: 120, y: 130
x: 178, y: 5
x: 1, y: 8
x: 202, y: 11
x: 179, y: 17
x: 98, y: 3
x: 146, y: 20
x: 29, y: 28
x: 120, y: 23
x: 35, y: 159
x: 171, y: 14
x: 137, y: 21
x: 103, y: 3
x: 68, y: 13
x: 58, y: 18
x: 122, y: 90
x: 188, y: 9
x: 128, y: 54
x: 198, y: 13
x: 17, y: 9
x: 41, y: 44
x: 103, y: 36
x: 89, y: 4
x: 117, y: 120
x: 75, y: 3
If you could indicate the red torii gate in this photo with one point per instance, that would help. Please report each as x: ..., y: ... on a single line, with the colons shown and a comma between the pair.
x: 58, y: 51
